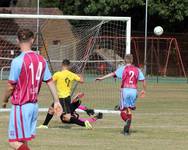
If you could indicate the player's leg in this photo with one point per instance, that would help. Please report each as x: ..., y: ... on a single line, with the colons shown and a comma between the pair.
x: 90, y: 112
x: 33, y: 123
x: 13, y: 129
x: 48, y: 118
x: 131, y: 106
x: 77, y: 96
x: 19, y: 146
x: 123, y: 108
x: 93, y: 119
x: 69, y: 108
x: 73, y: 120
x: 127, y: 105
x: 126, y: 117
x: 76, y: 104
x: 67, y: 117
x: 128, y: 122
x: 19, y: 132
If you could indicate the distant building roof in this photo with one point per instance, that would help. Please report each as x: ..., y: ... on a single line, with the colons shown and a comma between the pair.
x: 11, y: 26
x: 28, y: 10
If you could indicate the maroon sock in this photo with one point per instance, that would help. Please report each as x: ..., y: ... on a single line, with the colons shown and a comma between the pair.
x: 124, y: 115
x: 130, y: 119
x: 23, y: 147
x: 129, y: 116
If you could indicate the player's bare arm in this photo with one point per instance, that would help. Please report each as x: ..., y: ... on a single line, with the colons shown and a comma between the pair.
x: 57, y: 106
x: 8, y: 92
x: 144, y: 85
x: 105, y: 77
x: 81, y: 78
x: 142, y: 93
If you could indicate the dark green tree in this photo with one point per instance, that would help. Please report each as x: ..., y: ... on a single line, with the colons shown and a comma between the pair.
x: 171, y: 10
x: 49, y: 3
x: 5, y: 3
x: 172, y: 14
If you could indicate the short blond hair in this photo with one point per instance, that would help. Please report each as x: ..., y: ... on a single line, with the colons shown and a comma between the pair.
x: 129, y: 59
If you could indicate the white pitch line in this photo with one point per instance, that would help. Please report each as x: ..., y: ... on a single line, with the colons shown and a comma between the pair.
x: 137, y: 113
x: 46, y: 109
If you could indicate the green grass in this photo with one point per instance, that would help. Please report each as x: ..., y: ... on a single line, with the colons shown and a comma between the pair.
x: 159, y: 123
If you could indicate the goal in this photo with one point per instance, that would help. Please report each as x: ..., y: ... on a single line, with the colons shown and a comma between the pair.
x: 95, y: 45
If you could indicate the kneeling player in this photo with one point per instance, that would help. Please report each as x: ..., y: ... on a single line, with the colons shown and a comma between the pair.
x: 130, y: 75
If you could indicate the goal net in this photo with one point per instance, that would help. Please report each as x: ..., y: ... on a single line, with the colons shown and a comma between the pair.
x: 94, y: 45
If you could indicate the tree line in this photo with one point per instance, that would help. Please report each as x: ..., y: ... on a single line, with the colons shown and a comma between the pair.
x: 171, y: 14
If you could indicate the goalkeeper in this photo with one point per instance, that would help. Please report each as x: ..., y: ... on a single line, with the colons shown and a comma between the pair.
x: 76, y: 104
x: 64, y: 80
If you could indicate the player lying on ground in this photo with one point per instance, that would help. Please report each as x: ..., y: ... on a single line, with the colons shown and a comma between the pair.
x: 76, y: 104
x: 130, y: 75
x: 64, y: 80
x: 27, y: 72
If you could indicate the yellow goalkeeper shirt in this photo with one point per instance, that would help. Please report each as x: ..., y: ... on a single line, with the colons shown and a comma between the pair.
x: 64, y: 81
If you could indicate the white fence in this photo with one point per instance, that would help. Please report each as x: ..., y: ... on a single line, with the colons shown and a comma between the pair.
x: 2, y: 70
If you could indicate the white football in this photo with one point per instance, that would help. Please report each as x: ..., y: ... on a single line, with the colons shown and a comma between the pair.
x: 158, y: 30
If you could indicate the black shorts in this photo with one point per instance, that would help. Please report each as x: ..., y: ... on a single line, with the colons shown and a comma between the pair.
x: 68, y: 107
x: 65, y: 104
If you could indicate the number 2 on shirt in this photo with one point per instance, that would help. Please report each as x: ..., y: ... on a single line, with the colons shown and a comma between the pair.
x: 131, y: 74
x: 38, y: 74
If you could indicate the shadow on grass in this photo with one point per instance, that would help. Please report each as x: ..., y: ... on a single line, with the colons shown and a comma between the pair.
x: 68, y: 126
x: 62, y: 127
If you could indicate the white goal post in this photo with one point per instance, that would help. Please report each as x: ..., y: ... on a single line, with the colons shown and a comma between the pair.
x: 109, y: 38
x: 70, y: 17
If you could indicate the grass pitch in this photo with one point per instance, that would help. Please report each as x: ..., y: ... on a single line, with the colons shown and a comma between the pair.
x: 159, y: 123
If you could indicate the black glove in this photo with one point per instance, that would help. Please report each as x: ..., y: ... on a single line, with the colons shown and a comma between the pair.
x: 90, y: 112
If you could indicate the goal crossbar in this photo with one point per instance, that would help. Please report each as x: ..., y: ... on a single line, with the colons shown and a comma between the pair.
x: 72, y: 17
x: 69, y: 17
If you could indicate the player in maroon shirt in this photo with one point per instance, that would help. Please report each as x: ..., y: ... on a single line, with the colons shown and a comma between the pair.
x: 129, y: 75
x: 27, y: 72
